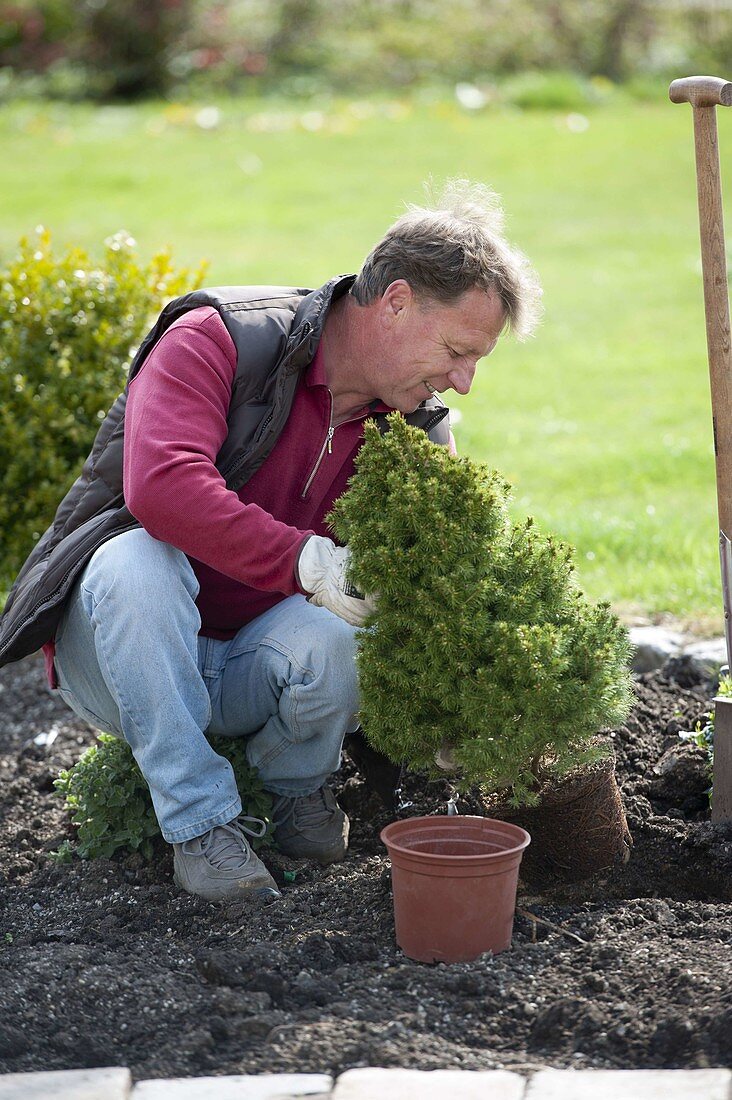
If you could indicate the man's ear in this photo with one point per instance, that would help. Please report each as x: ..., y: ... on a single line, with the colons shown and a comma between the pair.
x: 397, y: 296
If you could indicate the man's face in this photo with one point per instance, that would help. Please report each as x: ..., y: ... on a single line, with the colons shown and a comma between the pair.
x: 431, y: 346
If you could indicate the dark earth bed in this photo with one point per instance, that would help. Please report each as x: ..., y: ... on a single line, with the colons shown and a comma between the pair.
x: 106, y: 963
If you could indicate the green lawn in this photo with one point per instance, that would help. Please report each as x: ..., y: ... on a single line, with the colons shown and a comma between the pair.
x: 602, y: 422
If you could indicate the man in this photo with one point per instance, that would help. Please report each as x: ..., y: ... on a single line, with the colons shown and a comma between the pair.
x: 188, y: 583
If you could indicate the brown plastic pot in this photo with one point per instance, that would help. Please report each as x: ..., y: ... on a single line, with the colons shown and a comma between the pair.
x: 454, y: 882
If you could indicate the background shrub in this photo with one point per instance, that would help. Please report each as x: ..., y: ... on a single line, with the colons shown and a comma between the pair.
x: 110, y: 804
x: 100, y: 48
x: 34, y: 35
x: 128, y: 48
x: 127, y: 45
x: 68, y: 331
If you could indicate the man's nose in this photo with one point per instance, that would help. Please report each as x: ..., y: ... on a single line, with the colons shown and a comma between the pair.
x: 461, y: 378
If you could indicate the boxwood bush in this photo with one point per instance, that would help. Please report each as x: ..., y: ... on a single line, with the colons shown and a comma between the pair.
x: 110, y: 804
x: 68, y: 330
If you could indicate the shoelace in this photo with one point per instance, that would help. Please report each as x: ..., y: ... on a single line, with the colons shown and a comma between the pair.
x: 310, y: 808
x: 226, y: 846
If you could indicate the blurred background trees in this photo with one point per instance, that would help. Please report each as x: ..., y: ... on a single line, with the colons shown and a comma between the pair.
x: 133, y: 48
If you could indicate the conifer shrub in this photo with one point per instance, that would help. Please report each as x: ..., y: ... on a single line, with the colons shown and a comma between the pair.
x: 110, y: 804
x: 482, y: 640
x: 68, y: 329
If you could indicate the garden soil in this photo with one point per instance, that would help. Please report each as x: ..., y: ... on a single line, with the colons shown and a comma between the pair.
x: 107, y: 963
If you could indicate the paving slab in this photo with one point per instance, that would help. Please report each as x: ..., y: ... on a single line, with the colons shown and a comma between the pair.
x: 711, y: 653
x: 631, y: 1084
x: 265, y: 1086
x: 438, y: 1084
x: 652, y: 646
x: 114, y: 1083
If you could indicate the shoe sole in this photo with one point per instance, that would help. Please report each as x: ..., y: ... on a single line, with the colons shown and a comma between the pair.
x: 263, y: 894
x: 323, y: 857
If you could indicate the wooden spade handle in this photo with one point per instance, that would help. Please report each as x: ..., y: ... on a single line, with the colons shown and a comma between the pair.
x: 705, y: 93
x: 701, y: 91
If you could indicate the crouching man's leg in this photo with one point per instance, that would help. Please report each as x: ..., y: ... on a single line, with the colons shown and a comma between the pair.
x: 288, y: 682
x: 127, y: 658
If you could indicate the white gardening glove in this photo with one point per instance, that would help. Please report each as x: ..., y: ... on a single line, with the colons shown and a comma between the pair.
x: 322, y: 568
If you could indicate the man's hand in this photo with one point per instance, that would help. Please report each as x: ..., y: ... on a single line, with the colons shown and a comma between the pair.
x: 322, y: 568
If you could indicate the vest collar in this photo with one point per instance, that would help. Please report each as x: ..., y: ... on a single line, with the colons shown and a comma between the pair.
x: 307, y: 327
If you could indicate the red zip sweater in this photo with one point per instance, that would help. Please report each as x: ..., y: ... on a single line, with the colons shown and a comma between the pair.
x: 242, y: 546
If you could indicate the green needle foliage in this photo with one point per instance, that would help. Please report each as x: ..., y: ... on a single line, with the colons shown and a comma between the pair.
x: 110, y: 803
x: 482, y: 641
x: 68, y: 330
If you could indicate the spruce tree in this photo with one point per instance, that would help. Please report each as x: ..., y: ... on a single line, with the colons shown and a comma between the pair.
x: 482, y: 640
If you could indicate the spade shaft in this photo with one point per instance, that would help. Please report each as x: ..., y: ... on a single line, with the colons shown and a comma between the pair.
x: 705, y: 94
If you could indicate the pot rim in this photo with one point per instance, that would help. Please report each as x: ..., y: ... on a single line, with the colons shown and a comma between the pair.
x: 452, y: 822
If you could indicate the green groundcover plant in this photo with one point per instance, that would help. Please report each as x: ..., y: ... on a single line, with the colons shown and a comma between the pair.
x: 703, y: 732
x: 110, y: 802
x: 68, y: 329
x: 482, y: 646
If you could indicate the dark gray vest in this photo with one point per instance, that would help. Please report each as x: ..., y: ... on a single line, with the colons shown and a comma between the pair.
x: 276, y: 331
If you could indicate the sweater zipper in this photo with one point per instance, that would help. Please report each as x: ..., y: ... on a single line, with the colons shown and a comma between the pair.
x: 327, y: 446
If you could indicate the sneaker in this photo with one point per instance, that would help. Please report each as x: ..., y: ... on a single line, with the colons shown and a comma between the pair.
x: 311, y: 826
x: 220, y: 865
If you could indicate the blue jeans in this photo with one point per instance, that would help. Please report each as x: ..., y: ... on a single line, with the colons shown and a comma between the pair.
x: 130, y: 660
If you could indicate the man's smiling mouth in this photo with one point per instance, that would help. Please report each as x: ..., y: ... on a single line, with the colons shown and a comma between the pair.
x: 431, y: 389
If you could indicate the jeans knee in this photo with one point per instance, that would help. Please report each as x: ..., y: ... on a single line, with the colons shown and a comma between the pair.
x: 330, y: 640
x: 139, y: 566
x: 342, y: 637
x: 337, y: 647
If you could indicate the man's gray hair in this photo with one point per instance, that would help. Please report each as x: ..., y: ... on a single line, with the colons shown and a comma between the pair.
x: 451, y: 246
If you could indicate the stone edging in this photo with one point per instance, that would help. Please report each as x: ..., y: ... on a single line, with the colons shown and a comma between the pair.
x: 115, y: 1083
x: 653, y: 645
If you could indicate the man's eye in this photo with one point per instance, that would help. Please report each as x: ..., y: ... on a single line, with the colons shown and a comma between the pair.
x: 454, y: 354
